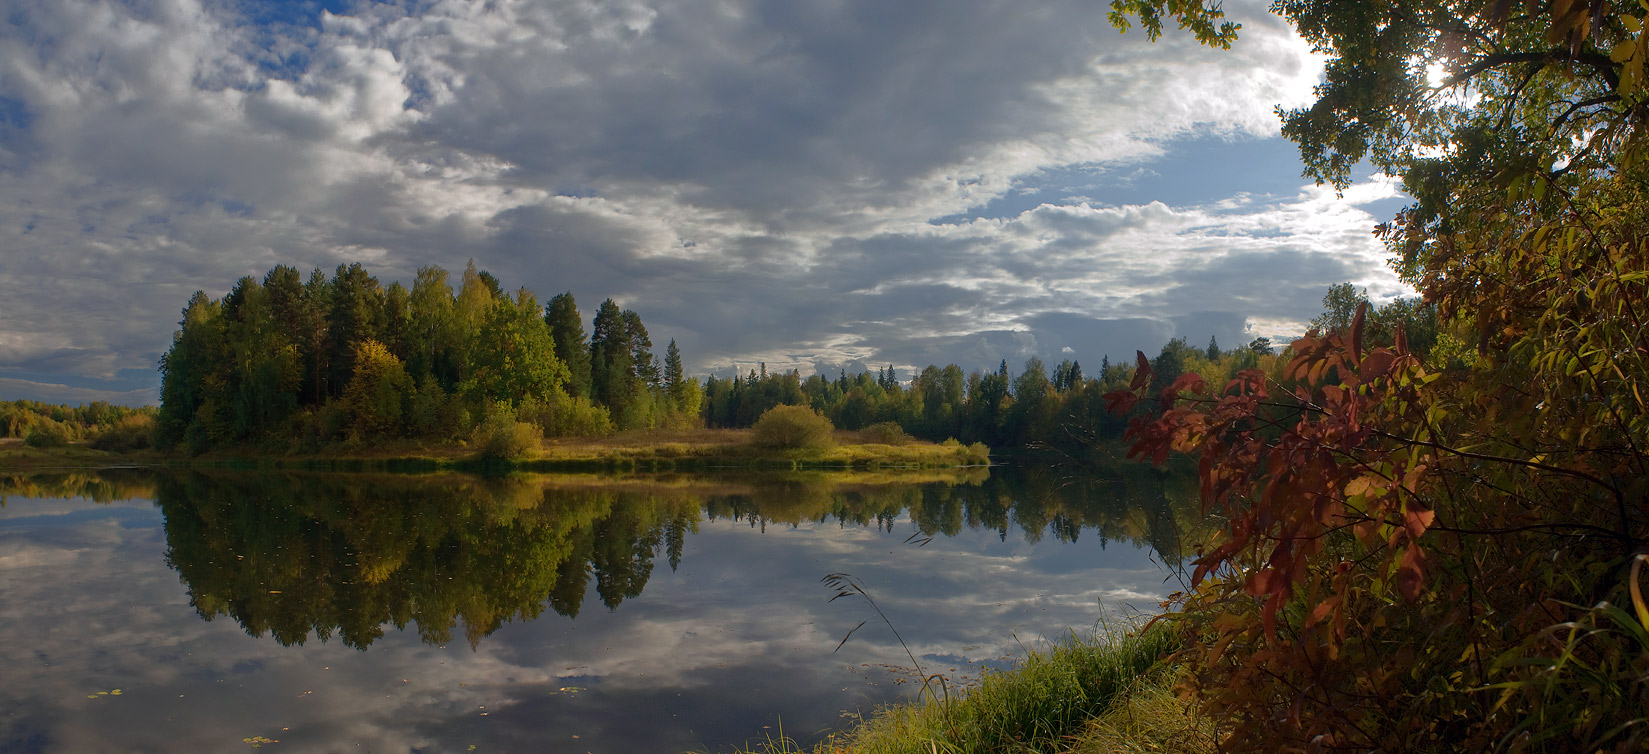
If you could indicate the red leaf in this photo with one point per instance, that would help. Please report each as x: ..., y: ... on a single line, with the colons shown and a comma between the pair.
x: 1190, y: 381
x: 1411, y: 572
x: 1377, y: 364
x: 1322, y: 610
x: 1416, y: 522
x: 1357, y: 323
x: 1269, y: 614
x: 1120, y: 402
x: 1142, y: 371
x: 1268, y: 581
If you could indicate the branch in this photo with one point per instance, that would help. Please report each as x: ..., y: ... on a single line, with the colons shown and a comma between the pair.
x: 1499, y: 459
x: 1594, y: 60
x: 1593, y: 102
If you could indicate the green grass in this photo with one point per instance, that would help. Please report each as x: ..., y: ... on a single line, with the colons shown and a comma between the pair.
x: 636, y: 451
x: 1048, y: 703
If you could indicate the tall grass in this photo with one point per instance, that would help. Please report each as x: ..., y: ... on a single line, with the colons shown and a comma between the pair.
x: 1042, y: 705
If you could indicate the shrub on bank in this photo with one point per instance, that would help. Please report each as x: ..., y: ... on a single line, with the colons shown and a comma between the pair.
x: 791, y: 428
x: 501, y: 437
x: 561, y: 415
x: 134, y: 432
x: 47, y: 434
x: 885, y: 433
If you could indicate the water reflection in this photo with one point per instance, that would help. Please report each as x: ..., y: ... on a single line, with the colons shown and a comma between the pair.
x: 299, y: 555
x: 294, y: 556
x: 713, y: 626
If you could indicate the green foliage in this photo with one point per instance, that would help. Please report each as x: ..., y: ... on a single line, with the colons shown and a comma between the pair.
x: 133, y: 432
x: 378, y: 391
x: 287, y: 362
x: 19, y: 418
x: 512, y: 355
x: 500, y: 437
x: 567, y: 330
x: 561, y: 415
x: 792, y: 428
x: 885, y: 433
x: 47, y: 434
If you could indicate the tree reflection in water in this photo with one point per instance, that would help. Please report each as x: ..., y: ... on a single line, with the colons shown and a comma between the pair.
x: 323, y: 555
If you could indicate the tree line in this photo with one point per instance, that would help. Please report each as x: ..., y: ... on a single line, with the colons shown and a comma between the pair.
x: 313, y: 361
x: 342, y: 358
x: 1036, y: 407
x: 102, y: 424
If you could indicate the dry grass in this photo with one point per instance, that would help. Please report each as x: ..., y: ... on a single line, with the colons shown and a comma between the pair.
x: 1150, y: 719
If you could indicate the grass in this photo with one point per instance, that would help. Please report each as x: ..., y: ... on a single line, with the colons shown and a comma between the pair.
x: 660, y: 450
x: 1151, y: 719
x: 736, y: 447
x: 16, y: 456
x: 1110, y: 693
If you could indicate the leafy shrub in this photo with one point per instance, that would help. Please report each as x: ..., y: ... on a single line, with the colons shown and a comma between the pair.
x: 790, y: 427
x: 47, y: 434
x: 885, y: 433
x: 561, y: 415
x: 501, y: 437
x: 134, y: 432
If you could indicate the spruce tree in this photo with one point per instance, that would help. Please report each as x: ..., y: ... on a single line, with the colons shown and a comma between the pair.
x: 610, y: 359
x: 643, y: 366
x: 567, y: 329
x: 672, y: 367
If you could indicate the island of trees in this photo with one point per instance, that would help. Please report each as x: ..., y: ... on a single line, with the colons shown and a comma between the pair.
x: 296, y: 362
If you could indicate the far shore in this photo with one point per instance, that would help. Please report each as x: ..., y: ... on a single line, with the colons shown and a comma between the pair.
x: 633, y: 451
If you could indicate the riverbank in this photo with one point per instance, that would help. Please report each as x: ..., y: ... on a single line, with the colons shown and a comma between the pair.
x: 640, y: 451
x: 1094, y: 696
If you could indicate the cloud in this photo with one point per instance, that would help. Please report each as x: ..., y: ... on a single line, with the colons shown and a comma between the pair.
x: 798, y: 182
x: 704, y: 657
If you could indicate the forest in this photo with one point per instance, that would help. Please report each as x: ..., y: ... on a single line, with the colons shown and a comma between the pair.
x: 1034, y: 408
x: 296, y: 363
x: 278, y: 366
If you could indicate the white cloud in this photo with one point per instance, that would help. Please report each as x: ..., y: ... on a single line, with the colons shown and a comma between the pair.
x: 712, y: 164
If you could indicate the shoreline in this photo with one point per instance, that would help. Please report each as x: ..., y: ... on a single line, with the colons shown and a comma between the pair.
x: 698, y: 451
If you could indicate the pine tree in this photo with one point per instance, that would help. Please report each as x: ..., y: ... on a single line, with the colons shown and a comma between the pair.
x: 643, y: 366
x: 610, y: 359
x: 567, y: 328
x: 672, y: 369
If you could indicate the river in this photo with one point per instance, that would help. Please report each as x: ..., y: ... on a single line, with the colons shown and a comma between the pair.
x: 305, y: 612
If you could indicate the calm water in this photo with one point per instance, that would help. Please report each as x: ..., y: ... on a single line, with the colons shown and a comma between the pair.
x: 334, y: 613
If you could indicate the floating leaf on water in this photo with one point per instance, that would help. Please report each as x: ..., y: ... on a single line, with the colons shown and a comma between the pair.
x: 116, y: 692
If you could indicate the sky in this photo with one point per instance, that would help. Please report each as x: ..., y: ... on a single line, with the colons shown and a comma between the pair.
x: 809, y: 184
